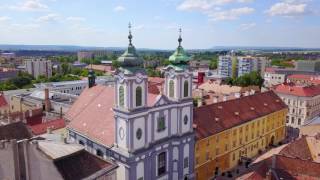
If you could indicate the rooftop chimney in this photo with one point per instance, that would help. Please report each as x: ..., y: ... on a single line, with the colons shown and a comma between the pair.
x: 47, y: 103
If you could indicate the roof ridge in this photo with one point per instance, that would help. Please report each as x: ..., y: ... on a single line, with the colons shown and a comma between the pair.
x: 236, y: 99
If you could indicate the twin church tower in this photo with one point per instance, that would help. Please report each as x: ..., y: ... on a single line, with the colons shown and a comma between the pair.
x: 153, y: 133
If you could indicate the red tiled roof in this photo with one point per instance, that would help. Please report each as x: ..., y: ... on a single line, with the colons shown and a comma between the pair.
x: 311, y: 78
x: 297, y: 149
x: 297, y: 167
x: 305, y: 91
x: 42, y: 128
x: 218, y: 117
x: 270, y: 70
x: 92, y: 114
x: 3, y: 101
x: 285, y: 168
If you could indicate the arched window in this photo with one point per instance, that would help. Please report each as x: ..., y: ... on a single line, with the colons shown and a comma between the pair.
x: 138, y: 96
x: 121, y: 96
x: 171, y: 89
x: 186, y: 89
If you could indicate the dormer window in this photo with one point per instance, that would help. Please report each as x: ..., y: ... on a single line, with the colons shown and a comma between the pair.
x: 161, y: 124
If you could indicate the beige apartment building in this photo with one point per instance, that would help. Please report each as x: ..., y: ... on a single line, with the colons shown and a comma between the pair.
x: 303, y: 103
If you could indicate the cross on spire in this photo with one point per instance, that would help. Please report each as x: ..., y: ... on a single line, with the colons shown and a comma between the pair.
x: 180, y: 39
x: 130, y: 35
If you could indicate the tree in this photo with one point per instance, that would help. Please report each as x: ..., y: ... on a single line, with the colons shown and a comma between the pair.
x: 65, y: 68
x: 115, y: 64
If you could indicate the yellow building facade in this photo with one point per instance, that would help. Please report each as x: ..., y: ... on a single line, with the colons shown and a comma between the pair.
x: 222, y: 151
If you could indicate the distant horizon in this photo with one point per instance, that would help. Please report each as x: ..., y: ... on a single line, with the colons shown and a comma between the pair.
x: 83, y: 47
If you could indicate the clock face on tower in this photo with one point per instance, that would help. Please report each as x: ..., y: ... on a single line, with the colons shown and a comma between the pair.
x: 121, y: 133
x: 139, y: 77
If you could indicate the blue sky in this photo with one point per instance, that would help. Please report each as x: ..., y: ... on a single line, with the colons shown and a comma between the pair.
x: 205, y: 23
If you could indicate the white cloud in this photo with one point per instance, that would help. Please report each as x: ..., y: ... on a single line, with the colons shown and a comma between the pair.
x: 4, y: 18
x: 200, y: 5
x: 247, y: 26
x: 141, y: 26
x: 288, y: 8
x: 119, y: 8
x: 30, y: 5
x: 231, y: 14
x: 75, y: 19
x: 49, y: 18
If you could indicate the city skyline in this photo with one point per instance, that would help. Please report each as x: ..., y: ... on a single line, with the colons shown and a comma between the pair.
x: 205, y: 23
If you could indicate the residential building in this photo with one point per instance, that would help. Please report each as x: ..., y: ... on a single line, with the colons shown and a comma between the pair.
x: 275, y: 76
x: 7, y: 73
x: 233, y: 66
x: 247, y: 64
x: 149, y: 135
x: 308, y: 65
x: 304, y: 79
x: 37, y: 67
x: 236, y: 130
x: 73, y: 87
x: 200, y: 65
x: 85, y: 55
x: 303, y: 102
x: 225, y: 66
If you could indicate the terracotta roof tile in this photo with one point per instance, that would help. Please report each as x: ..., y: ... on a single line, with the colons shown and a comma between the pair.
x: 92, y: 114
x: 42, y: 128
x: 305, y: 91
x: 285, y: 168
x: 297, y: 149
x: 218, y: 117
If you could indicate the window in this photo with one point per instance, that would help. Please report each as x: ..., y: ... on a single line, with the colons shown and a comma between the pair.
x: 186, y: 162
x: 81, y: 142
x: 138, y: 96
x: 162, y: 163
x: 186, y: 89
x: 121, y: 96
x: 185, y: 120
x: 292, y: 120
x: 139, y: 133
x: 233, y: 156
x: 99, y: 153
x: 171, y: 89
x: 161, y: 124
x: 299, y: 121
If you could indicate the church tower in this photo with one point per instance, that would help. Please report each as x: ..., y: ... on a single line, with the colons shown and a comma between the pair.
x: 131, y: 80
x: 178, y: 78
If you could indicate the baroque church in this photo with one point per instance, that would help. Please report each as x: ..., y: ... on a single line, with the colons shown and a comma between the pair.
x: 148, y: 134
